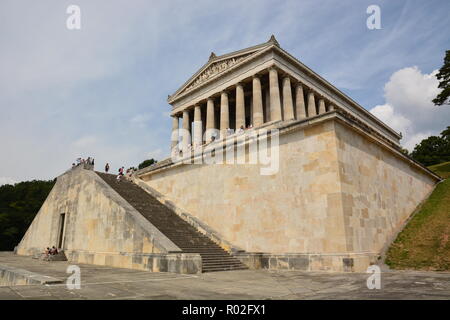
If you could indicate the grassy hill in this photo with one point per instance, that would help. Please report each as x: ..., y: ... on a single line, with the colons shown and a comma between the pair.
x: 424, y: 244
x: 442, y: 169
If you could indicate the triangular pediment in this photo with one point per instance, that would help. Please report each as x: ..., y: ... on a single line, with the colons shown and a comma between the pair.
x: 214, y: 69
x: 217, y: 65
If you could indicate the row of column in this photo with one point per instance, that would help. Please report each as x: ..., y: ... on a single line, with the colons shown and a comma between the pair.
x: 302, y: 111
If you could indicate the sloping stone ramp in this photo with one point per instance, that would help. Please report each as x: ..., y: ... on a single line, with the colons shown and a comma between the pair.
x: 180, y: 232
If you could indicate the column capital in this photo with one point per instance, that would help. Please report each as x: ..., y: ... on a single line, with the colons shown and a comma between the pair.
x: 186, y: 109
x: 272, y: 67
x: 240, y: 84
x: 256, y: 75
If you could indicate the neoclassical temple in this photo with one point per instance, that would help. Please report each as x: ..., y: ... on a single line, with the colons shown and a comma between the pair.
x: 255, y: 87
x: 341, y: 190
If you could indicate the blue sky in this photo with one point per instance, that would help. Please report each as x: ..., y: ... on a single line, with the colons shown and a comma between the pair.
x: 101, y: 91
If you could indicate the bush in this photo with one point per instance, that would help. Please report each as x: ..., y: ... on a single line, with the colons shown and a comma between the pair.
x: 146, y: 163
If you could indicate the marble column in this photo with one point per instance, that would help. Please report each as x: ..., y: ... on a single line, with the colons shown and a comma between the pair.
x: 258, y: 116
x: 210, y: 119
x: 288, y: 107
x: 300, y: 102
x: 224, y: 114
x: 322, y: 106
x: 198, y: 127
x: 275, y: 104
x: 175, y: 135
x: 186, y: 134
x: 331, y: 107
x: 240, y: 106
x: 267, y: 105
x: 311, y: 105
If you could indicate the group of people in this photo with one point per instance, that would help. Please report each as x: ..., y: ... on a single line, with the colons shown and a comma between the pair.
x: 215, y: 135
x: 90, y: 161
x: 122, y: 172
x: 127, y: 175
x: 50, y: 252
x: 80, y: 161
x: 229, y: 131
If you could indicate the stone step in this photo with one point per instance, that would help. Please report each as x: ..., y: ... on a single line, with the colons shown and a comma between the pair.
x: 213, y: 256
x: 221, y: 263
x: 223, y: 269
x: 229, y: 258
x: 188, y: 249
x: 201, y: 251
x: 179, y: 231
x: 187, y: 246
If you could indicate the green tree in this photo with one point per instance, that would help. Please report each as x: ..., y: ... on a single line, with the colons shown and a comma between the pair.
x: 404, y: 151
x: 19, y: 204
x: 147, y: 163
x: 444, y: 82
x: 434, y: 149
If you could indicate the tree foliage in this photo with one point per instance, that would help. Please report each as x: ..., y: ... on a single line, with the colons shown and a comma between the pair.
x: 434, y: 149
x: 444, y: 82
x: 19, y: 205
x: 147, y: 163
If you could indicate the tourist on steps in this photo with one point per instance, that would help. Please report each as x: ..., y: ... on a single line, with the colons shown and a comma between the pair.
x: 53, y: 250
x: 119, y: 176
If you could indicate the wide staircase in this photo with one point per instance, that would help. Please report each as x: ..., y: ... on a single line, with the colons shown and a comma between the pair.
x: 180, y: 232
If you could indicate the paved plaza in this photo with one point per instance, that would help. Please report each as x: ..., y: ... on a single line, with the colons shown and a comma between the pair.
x: 99, y: 282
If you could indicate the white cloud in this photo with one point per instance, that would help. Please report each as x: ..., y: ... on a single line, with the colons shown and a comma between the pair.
x: 415, y: 139
x: 85, y: 142
x: 409, y: 108
x: 101, y: 91
x: 155, y: 154
x: 386, y: 114
x: 7, y: 180
x: 141, y: 120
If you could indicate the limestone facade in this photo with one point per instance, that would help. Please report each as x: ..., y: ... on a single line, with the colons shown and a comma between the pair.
x: 339, y: 196
x: 101, y: 228
x: 343, y: 188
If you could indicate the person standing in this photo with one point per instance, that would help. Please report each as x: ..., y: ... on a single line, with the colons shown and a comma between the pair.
x: 107, y: 168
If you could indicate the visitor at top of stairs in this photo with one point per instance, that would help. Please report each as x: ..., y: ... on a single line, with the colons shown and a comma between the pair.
x: 86, y: 163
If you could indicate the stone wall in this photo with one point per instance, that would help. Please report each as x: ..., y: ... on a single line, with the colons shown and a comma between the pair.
x: 291, y: 211
x: 101, y: 228
x: 338, y: 197
x: 380, y: 189
x: 12, y: 276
